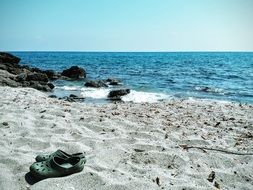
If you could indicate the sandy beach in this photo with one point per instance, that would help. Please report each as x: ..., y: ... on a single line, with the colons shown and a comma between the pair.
x: 175, y: 144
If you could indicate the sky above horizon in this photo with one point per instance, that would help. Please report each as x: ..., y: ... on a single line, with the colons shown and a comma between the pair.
x: 130, y: 25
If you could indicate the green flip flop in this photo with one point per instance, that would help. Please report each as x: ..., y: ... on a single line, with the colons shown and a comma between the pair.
x: 59, y: 153
x: 57, y: 167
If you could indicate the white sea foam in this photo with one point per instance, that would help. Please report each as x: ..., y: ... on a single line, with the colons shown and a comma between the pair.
x: 134, y: 96
x: 139, y: 97
x: 69, y: 88
x: 96, y: 93
x: 209, y: 89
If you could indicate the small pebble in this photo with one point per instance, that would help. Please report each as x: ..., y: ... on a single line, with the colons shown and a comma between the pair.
x: 5, y: 123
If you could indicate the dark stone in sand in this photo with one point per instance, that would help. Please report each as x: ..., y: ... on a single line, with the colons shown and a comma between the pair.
x: 69, y: 99
x: 95, y: 84
x: 52, y: 96
x: 76, y: 98
x: 117, y: 94
x: 5, y: 123
x: 211, y: 176
x: 8, y: 58
x: 73, y: 96
x: 74, y: 72
x: 113, y: 81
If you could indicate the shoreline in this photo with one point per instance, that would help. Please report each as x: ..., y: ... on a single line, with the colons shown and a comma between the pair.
x: 167, y: 145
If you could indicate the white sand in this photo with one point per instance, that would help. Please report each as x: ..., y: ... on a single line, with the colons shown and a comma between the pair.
x: 128, y: 146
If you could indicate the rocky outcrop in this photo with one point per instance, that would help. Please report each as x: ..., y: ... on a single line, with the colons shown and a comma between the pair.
x: 95, y: 84
x: 15, y: 75
x: 52, y: 75
x: 40, y: 86
x: 37, y: 77
x: 8, y: 58
x: 74, y: 72
x: 7, y: 79
x: 117, y: 94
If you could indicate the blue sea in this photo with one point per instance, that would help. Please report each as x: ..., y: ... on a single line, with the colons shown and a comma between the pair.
x: 154, y: 76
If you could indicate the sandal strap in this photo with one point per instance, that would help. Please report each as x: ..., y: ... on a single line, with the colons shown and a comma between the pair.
x: 55, y: 165
x: 61, y: 154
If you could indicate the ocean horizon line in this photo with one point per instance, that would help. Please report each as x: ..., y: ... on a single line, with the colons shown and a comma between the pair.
x: 78, y: 51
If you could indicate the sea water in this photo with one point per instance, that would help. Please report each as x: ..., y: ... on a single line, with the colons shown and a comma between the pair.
x: 154, y: 76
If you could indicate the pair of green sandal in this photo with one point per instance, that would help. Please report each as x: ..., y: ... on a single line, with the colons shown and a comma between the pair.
x: 57, y: 164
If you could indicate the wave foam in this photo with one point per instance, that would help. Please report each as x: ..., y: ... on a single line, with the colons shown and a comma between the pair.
x: 141, y: 97
x: 209, y: 89
x: 134, y: 96
x: 69, y: 88
x: 96, y: 93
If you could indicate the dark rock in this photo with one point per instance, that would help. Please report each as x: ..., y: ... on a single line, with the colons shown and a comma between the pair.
x: 76, y: 98
x: 211, y: 176
x: 52, y: 96
x: 96, y: 84
x: 8, y: 58
x: 25, y: 67
x: 50, y: 85
x: 14, y: 75
x: 7, y: 79
x: 25, y: 84
x: 21, y: 77
x: 13, y: 70
x: 64, y: 78
x: 38, y: 86
x: 217, y: 185
x: 5, y: 123
x: 113, y: 81
x: 73, y: 96
x: 51, y: 74
x: 37, y: 77
x: 157, y: 180
x: 138, y: 150
x: 36, y: 70
x: 3, y: 66
x: 69, y: 99
x: 117, y: 94
x: 74, y: 72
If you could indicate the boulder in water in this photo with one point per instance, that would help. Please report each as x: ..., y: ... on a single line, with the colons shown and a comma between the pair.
x: 117, y: 94
x: 95, y: 84
x: 113, y: 81
x: 74, y: 72
x: 50, y: 85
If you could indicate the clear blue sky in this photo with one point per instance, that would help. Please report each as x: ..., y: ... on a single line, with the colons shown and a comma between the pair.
x: 126, y: 25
